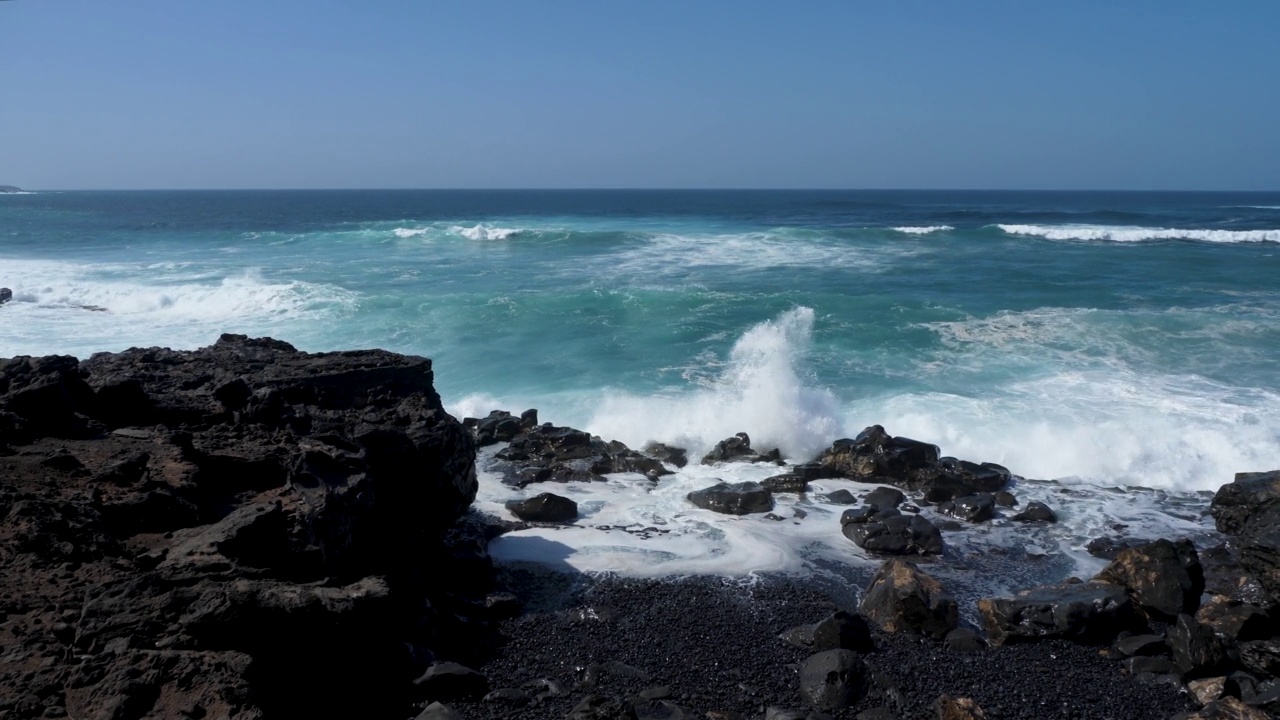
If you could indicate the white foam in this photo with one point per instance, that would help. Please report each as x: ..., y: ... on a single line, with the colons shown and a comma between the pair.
x: 410, y: 232
x: 81, y: 309
x: 923, y: 230
x: 1124, y: 233
x: 758, y: 390
x: 484, y: 232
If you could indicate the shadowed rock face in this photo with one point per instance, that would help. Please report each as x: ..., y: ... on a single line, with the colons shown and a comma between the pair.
x: 218, y: 531
x: 1164, y: 578
x: 1084, y: 612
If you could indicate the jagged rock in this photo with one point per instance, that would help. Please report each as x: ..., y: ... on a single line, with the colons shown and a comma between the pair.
x: 678, y: 457
x: 741, y: 498
x: 529, y: 419
x: 787, y: 483
x: 1261, y: 656
x: 1249, y: 495
x: 1206, y: 690
x: 875, y: 453
x: 1196, y: 650
x: 970, y: 508
x: 231, y: 510
x: 738, y: 446
x: 833, y: 679
x: 1164, y: 578
x: 901, y: 598
x: 546, y: 507
x: 547, y: 453
x: 1036, y: 512
x: 1085, y: 612
x: 1233, y: 619
x: 499, y: 426
x: 892, y: 534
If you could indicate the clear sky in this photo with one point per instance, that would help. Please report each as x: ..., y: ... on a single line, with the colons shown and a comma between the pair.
x: 1141, y: 94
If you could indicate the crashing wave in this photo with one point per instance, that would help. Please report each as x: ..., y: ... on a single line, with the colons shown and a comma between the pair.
x: 922, y: 230
x: 1125, y: 233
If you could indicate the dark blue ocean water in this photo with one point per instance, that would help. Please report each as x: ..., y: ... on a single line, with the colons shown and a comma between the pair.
x: 1109, y: 339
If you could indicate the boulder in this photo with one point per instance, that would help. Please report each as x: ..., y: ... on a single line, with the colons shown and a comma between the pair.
x: 970, y: 508
x: 438, y: 711
x: 546, y: 507
x: 833, y: 679
x: 1163, y: 578
x: 547, y: 453
x: 1142, y: 645
x: 964, y: 640
x: 737, y: 447
x: 840, y: 497
x: 874, y: 453
x: 741, y: 498
x: 842, y: 631
x: 1234, y: 619
x: 1036, y: 512
x: 1206, y: 690
x: 902, y: 599
x: 499, y: 426
x: 5, y: 295
x: 1084, y: 612
x: 884, y: 498
x: 1250, y: 494
x: 451, y: 681
x: 891, y: 533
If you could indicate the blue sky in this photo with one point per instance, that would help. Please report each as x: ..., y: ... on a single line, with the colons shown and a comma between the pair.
x: 1140, y: 94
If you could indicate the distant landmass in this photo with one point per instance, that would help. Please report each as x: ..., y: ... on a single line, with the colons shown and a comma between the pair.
x: 9, y: 189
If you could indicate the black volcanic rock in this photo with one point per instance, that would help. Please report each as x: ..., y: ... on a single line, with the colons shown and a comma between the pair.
x: 1164, y: 578
x: 1083, y: 612
x: 1036, y: 511
x: 891, y: 533
x: 833, y: 679
x: 741, y: 498
x: 231, y: 511
x: 903, y: 599
x: 546, y: 507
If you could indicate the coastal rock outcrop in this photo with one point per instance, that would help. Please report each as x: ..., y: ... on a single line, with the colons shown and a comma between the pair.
x: 876, y: 456
x: 191, y: 523
x: 1084, y: 612
x: 902, y: 598
x: 741, y: 498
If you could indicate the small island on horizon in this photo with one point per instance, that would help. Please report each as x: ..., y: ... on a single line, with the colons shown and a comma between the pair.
x: 10, y: 189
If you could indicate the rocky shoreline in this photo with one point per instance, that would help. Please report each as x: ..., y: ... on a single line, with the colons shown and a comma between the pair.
x: 250, y: 531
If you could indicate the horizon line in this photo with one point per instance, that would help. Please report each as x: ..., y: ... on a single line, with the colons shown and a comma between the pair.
x: 640, y: 189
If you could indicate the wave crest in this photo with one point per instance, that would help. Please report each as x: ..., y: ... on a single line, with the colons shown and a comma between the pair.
x: 1125, y: 233
x: 922, y: 230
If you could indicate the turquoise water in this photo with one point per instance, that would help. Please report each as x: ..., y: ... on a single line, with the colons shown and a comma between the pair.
x: 1107, y: 338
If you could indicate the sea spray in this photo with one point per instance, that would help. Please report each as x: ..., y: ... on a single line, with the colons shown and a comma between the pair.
x: 761, y: 390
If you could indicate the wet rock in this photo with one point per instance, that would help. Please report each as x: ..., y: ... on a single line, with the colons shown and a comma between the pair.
x: 679, y: 457
x: 529, y: 419
x: 1196, y: 650
x: 1036, y: 512
x: 875, y: 453
x: 842, y: 631
x: 1108, y: 548
x: 901, y: 598
x: 841, y: 497
x: 833, y: 679
x: 547, y: 453
x: 884, y: 498
x: 1249, y: 495
x: 1004, y: 498
x: 1261, y: 656
x: 1149, y: 665
x: 741, y: 498
x: 788, y: 483
x: 1163, y: 578
x: 737, y: 447
x: 499, y: 426
x: 814, y: 471
x: 546, y: 507
x: 970, y: 508
x: 1084, y: 612
x: 893, y: 534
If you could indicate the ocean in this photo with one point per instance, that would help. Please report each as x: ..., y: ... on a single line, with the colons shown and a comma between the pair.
x: 1116, y: 351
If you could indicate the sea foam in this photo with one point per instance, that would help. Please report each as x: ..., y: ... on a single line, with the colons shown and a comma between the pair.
x: 923, y: 230
x: 1124, y: 233
x: 761, y: 390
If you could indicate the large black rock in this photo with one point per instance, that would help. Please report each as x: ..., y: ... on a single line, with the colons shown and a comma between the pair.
x: 902, y: 599
x: 1249, y: 507
x: 1164, y: 578
x: 891, y: 533
x: 833, y: 679
x: 741, y: 498
x: 546, y: 507
x: 1084, y: 612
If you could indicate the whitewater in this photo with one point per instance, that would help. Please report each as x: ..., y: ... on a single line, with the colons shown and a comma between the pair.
x: 1115, y: 351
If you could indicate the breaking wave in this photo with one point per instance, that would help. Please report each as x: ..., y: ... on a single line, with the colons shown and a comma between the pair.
x: 1124, y: 233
